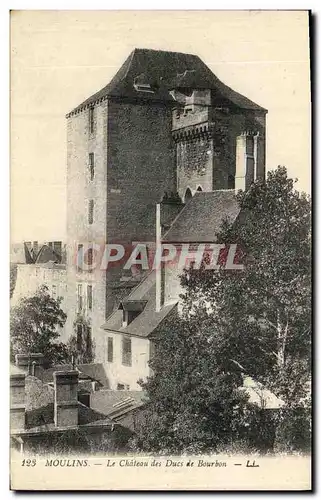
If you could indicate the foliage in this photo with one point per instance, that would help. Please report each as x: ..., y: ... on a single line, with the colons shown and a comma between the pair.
x: 34, y: 324
x: 81, y: 345
x: 264, y: 310
x: 254, y: 321
x: 194, y: 401
x: 13, y: 277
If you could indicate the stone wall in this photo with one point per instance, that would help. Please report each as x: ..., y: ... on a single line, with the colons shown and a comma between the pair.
x: 82, y: 187
x: 140, y: 168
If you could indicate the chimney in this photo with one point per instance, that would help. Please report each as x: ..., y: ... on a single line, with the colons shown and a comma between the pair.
x: 17, y: 401
x: 66, y: 398
x: 166, y: 211
x: 31, y: 364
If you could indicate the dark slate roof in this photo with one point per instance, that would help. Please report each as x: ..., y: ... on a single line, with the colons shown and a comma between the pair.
x: 95, y: 371
x: 116, y: 403
x: 148, y: 320
x: 201, y: 218
x: 92, y: 371
x: 47, y: 254
x: 165, y: 71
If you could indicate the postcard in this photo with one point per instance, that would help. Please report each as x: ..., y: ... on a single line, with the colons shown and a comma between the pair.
x: 160, y: 258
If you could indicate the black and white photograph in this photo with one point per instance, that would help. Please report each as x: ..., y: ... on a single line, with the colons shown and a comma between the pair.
x: 160, y: 250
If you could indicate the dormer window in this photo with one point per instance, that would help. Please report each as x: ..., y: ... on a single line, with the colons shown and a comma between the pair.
x: 131, y: 309
x: 143, y: 87
x: 141, y: 84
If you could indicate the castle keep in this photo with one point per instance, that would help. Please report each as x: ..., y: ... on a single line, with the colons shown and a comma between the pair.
x: 164, y: 124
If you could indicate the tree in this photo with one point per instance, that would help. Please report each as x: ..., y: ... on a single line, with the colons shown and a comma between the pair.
x: 34, y: 324
x: 264, y: 310
x: 194, y: 404
x: 254, y: 321
x: 81, y: 345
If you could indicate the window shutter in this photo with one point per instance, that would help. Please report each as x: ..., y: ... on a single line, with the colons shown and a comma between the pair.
x: 92, y: 165
x: 80, y: 257
x: 79, y: 297
x: 91, y: 212
x: 89, y: 297
x: 110, y: 350
x: 127, y: 351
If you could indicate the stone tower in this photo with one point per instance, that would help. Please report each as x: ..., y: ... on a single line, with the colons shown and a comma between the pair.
x: 164, y: 123
x: 219, y: 144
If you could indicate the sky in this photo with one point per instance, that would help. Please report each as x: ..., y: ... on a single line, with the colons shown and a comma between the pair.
x: 59, y: 58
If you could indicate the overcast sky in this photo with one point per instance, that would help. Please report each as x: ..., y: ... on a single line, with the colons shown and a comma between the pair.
x: 61, y: 57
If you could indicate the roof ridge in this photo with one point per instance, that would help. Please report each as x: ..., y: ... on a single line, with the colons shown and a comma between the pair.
x: 213, y: 191
x: 164, y: 51
x: 131, y: 55
x: 138, y: 284
x: 174, y: 220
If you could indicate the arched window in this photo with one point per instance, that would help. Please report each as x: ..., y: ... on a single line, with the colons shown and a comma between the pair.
x: 188, y: 195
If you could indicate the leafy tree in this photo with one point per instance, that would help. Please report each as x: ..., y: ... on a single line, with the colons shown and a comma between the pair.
x: 34, y: 324
x: 264, y: 310
x: 194, y: 404
x: 81, y: 345
x: 254, y: 321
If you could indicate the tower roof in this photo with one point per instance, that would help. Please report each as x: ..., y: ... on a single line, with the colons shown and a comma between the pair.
x: 150, y: 75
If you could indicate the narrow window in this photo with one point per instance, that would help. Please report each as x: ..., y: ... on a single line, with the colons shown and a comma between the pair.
x: 79, y: 298
x: 91, y: 212
x: 91, y: 120
x: 250, y: 161
x: 92, y: 165
x: 90, y: 297
x: 110, y: 350
x: 127, y: 351
x: 88, y: 340
x: 90, y: 258
x: 54, y: 291
x: 79, y: 336
x: 188, y: 195
x: 123, y: 387
x: 80, y: 257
